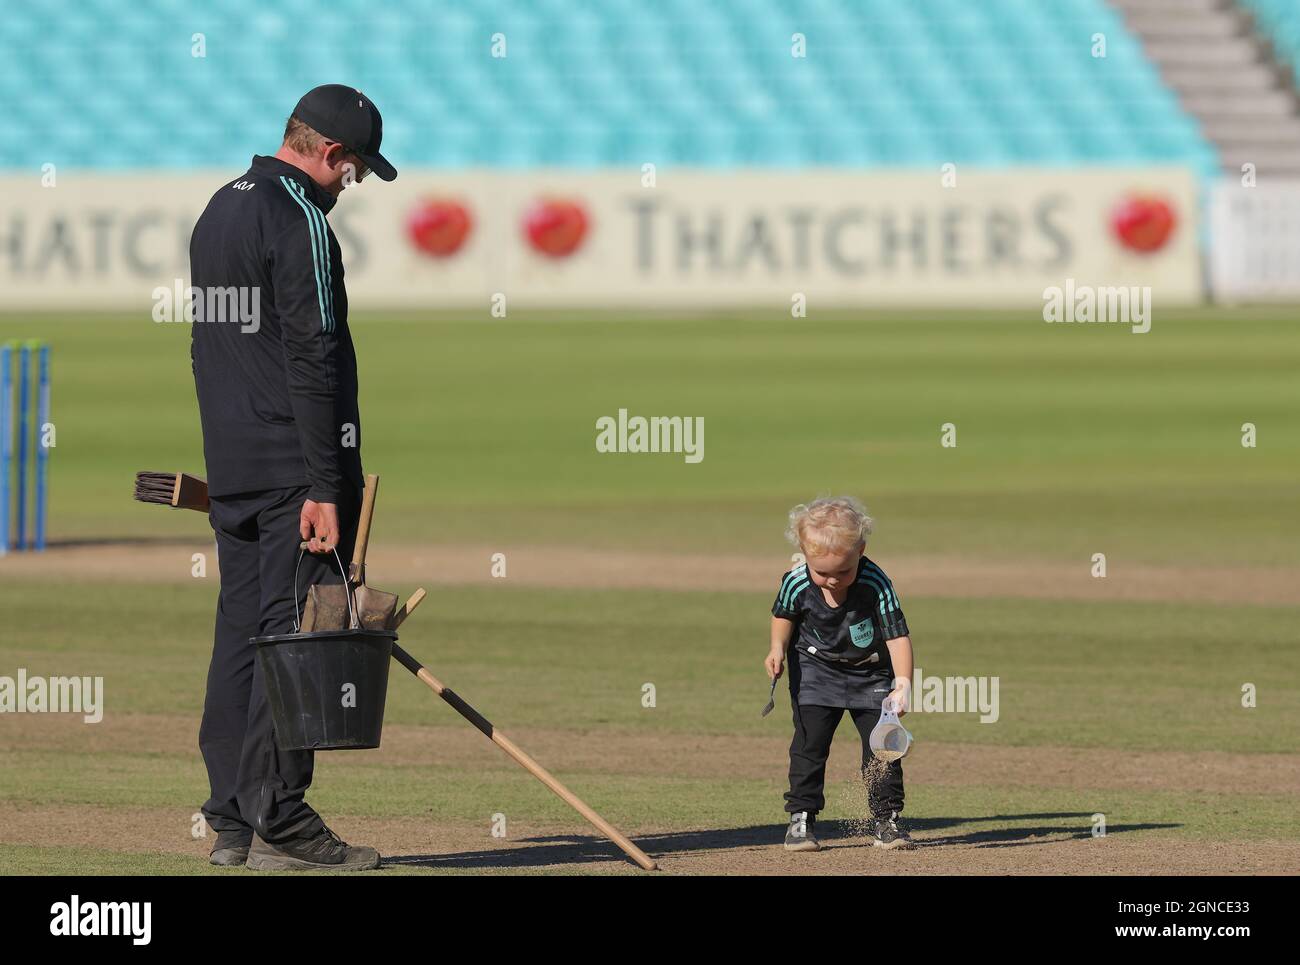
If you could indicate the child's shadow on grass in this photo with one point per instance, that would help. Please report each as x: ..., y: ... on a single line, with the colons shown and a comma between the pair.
x: 1009, y: 837
x: 547, y: 850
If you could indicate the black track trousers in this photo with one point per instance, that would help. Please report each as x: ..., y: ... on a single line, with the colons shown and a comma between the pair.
x: 254, y: 784
x: 814, y: 726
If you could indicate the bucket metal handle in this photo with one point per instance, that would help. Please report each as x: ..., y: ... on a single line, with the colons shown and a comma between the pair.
x: 347, y: 591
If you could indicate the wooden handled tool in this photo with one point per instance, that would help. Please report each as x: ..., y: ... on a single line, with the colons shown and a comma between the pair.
x: 327, y: 603
x: 375, y: 608
x: 408, y: 607
x: 179, y: 489
x: 521, y: 758
x: 357, y: 571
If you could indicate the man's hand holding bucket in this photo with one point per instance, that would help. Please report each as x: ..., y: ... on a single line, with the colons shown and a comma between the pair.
x: 319, y: 525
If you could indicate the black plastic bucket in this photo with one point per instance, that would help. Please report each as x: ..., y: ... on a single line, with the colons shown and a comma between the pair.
x: 326, y: 688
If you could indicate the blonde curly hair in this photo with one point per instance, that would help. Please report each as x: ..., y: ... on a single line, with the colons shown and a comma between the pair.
x: 829, y: 524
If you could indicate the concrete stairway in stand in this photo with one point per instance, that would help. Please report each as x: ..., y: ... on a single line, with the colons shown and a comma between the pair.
x: 1226, y: 76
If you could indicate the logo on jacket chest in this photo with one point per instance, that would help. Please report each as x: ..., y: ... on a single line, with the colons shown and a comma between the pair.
x: 862, y: 633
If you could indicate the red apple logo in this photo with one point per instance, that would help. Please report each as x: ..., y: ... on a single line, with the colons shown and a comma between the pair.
x: 1143, y: 223
x: 438, y: 227
x: 555, y: 227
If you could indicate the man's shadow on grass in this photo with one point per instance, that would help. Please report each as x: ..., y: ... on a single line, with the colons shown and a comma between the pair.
x: 545, y: 850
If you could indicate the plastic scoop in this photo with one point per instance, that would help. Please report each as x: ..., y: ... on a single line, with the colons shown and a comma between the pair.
x: 889, y: 740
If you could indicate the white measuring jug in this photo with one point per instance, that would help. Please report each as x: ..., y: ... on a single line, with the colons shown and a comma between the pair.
x: 889, y: 740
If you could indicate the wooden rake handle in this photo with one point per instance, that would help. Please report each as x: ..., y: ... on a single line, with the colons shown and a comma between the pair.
x: 357, y: 571
x: 522, y: 758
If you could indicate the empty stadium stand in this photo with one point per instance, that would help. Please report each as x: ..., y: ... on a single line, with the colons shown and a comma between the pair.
x: 111, y: 84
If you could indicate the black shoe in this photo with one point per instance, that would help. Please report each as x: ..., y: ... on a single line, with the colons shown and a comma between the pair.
x: 323, y: 851
x: 890, y: 835
x: 231, y: 848
x: 799, y: 835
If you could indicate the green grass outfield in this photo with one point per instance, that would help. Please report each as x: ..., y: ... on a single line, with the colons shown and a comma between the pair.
x: 1071, y: 441
x: 1123, y: 677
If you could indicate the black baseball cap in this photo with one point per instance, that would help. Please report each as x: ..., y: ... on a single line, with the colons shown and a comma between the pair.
x: 346, y: 115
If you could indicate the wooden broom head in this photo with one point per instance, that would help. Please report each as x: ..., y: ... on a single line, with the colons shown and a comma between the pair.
x: 179, y: 489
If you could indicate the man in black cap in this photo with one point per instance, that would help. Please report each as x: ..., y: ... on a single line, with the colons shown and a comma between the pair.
x: 276, y: 377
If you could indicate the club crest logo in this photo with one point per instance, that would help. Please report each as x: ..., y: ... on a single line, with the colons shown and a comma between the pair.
x: 862, y: 633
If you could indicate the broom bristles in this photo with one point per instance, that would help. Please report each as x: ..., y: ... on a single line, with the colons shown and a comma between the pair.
x: 179, y: 489
x: 155, y: 487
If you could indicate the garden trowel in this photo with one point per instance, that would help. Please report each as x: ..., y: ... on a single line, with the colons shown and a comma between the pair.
x: 327, y: 603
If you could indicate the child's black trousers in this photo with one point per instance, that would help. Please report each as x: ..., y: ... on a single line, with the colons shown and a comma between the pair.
x: 814, y: 726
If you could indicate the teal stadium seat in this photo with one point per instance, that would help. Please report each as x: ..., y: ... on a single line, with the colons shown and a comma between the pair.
x: 111, y: 84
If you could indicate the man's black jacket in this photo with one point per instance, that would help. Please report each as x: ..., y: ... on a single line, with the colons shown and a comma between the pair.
x: 273, y: 361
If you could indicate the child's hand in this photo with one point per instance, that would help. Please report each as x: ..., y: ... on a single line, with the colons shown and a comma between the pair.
x: 775, y: 664
x: 898, y: 698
